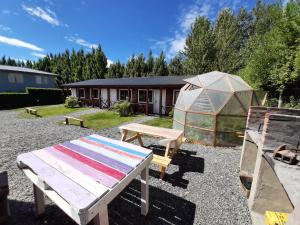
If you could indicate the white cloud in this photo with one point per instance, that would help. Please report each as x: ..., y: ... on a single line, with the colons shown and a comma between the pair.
x: 19, y: 43
x: 109, y: 62
x: 39, y: 55
x: 5, y: 28
x: 80, y: 41
x: 6, y: 11
x: 46, y: 15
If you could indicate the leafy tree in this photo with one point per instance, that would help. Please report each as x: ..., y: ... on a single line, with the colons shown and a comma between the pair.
x: 160, y: 67
x: 228, y: 42
x: 150, y: 63
x: 200, y: 49
x: 116, y: 70
x: 176, y: 66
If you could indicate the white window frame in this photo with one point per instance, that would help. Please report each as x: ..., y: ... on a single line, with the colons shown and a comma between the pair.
x: 79, y: 92
x: 16, y: 78
x: 129, y: 94
x: 175, y: 90
x: 92, y: 93
x: 146, y: 96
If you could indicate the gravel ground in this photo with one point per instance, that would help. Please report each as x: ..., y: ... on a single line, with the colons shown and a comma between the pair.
x: 200, y: 187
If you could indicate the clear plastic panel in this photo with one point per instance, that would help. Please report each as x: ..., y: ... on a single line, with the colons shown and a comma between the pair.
x: 245, y: 98
x: 221, y: 84
x: 228, y: 139
x: 208, y: 78
x: 240, y: 80
x: 190, y: 96
x: 218, y: 98
x: 238, y: 86
x: 260, y: 96
x: 194, y: 81
x: 177, y: 126
x: 205, y: 137
x: 179, y: 116
x: 231, y: 123
x: 201, y: 104
x: 233, y: 107
x: 200, y: 120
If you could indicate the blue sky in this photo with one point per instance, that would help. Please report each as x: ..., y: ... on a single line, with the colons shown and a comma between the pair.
x: 29, y: 29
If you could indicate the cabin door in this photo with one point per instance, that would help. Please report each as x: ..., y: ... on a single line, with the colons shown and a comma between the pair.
x: 103, y: 95
x: 156, y: 100
x: 113, y: 96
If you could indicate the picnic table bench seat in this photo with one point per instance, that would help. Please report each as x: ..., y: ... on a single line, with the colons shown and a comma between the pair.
x: 67, y: 118
x: 31, y: 111
x: 172, y: 141
x: 83, y: 176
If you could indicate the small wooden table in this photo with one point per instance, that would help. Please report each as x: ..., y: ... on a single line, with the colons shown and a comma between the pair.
x: 173, y: 140
x: 83, y: 176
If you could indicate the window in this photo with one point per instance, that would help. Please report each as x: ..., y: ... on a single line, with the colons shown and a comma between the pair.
x: 81, y: 93
x: 143, y: 96
x: 124, y: 94
x: 15, y: 78
x: 45, y: 80
x: 95, y: 93
x: 175, y: 96
x: 38, y: 79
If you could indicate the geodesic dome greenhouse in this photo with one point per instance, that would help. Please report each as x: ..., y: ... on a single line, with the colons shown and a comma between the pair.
x: 212, y: 108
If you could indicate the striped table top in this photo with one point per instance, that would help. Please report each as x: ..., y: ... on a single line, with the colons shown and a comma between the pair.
x: 83, y: 170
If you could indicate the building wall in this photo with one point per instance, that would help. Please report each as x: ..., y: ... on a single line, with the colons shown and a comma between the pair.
x: 29, y: 80
x: 167, y: 103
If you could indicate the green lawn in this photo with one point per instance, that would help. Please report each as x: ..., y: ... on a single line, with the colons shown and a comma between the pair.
x: 45, y: 111
x: 101, y: 120
x: 166, y: 122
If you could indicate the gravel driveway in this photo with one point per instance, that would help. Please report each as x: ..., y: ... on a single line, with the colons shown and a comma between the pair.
x: 200, y: 187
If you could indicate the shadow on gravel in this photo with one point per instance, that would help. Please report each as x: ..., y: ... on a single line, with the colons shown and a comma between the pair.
x: 165, y: 208
x: 186, y: 162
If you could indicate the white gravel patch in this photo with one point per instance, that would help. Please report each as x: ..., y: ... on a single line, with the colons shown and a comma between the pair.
x: 201, y: 185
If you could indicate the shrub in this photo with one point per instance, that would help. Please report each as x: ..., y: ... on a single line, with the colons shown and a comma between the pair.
x: 14, y: 100
x: 123, y: 108
x: 71, y: 102
x: 171, y: 113
x: 33, y: 96
x: 45, y: 96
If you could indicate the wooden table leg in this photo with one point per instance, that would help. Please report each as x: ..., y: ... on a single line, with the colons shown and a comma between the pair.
x: 39, y: 201
x: 162, y: 171
x: 140, y: 140
x: 145, y: 191
x: 124, y: 135
x: 102, y: 217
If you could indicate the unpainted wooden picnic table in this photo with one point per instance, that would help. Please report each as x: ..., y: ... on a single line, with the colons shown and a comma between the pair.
x: 172, y: 140
x: 83, y: 176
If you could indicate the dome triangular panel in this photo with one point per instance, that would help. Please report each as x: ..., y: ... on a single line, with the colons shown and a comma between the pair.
x: 220, y: 85
x: 208, y: 78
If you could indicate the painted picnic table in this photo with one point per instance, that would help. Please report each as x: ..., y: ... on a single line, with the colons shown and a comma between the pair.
x: 83, y: 176
x: 172, y: 141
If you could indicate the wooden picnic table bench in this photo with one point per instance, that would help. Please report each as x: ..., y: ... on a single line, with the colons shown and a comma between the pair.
x: 172, y: 141
x: 4, y: 191
x: 67, y: 118
x: 83, y: 176
x: 31, y: 111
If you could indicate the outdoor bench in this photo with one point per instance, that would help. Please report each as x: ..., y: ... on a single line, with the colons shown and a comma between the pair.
x: 31, y: 111
x: 83, y: 176
x: 4, y: 190
x: 67, y: 118
x: 172, y: 141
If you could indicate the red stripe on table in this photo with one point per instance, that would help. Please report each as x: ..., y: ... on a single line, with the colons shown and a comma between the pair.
x: 111, y: 149
x: 96, y: 165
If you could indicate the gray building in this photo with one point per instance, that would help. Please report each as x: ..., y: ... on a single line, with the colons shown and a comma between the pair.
x: 16, y: 79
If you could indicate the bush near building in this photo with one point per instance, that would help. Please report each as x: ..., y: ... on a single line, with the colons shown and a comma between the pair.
x: 32, y: 96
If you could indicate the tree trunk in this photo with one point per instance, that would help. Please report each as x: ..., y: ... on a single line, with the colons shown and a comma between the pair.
x: 280, y: 99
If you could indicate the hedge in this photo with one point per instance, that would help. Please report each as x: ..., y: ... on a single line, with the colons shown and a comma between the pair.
x: 33, y: 96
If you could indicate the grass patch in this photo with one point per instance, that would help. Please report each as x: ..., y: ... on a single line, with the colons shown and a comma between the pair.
x: 166, y: 122
x: 101, y: 120
x: 56, y: 110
